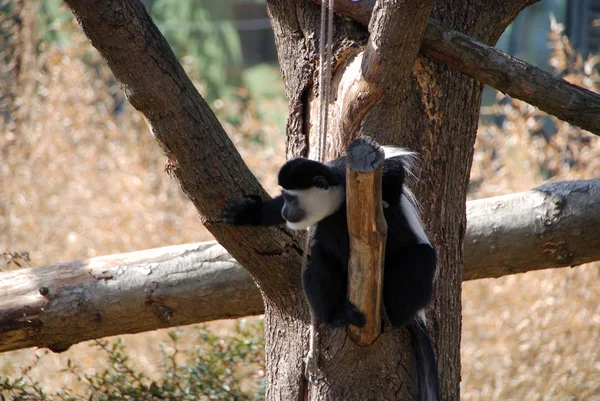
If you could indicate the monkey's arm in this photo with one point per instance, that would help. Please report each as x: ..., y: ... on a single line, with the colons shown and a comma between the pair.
x: 253, y: 211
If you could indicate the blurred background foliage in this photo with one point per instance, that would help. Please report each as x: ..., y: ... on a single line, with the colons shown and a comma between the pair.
x: 81, y: 176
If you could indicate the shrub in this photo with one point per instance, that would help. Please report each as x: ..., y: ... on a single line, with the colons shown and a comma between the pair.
x: 217, y: 368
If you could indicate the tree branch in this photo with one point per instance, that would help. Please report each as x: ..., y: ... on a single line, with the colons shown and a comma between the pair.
x: 58, y: 305
x: 555, y: 96
x: 375, y: 74
x: 209, y: 168
x: 555, y: 225
x: 396, y: 30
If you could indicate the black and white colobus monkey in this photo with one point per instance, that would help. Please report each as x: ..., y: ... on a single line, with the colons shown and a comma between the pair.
x: 315, y: 194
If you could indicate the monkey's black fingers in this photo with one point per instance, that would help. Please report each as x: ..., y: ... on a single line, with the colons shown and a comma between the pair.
x: 348, y: 315
x: 353, y: 316
x: 242, y: 213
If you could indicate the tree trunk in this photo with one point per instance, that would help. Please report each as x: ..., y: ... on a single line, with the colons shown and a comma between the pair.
x: 17, y: 57
x: 434, y: 112
x: 430, y: 109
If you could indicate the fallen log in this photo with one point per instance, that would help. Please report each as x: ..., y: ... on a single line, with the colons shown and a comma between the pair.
x: 55, y: 306
x: 555, y: 225
x: 62, y: 304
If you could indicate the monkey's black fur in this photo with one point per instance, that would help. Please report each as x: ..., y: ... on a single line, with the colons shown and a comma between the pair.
x: 315, y: 190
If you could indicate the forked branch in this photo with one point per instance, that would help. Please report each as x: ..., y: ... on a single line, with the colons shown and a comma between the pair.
x: 208, y: 166
x: 555, y: 96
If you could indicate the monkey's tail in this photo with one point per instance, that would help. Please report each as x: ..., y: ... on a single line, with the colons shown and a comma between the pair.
x: 429, y: 388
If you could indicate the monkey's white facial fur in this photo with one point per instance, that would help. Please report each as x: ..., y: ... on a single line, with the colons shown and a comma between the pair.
x: 313, y: 204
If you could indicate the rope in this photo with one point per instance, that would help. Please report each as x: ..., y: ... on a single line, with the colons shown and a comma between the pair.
x: 311, y: 371
x: 311, y: 367
x: 325, y: 60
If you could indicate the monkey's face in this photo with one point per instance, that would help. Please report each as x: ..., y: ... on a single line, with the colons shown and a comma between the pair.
x: 306, y: 207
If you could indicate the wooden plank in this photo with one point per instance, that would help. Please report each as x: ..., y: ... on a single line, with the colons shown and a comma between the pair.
x: 368, y: 231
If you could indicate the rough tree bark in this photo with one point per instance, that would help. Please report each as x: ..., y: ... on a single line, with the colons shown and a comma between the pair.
x: 553, y: 226
x: 433, y: 111
x: 430, y: 109
x: 59, y: 305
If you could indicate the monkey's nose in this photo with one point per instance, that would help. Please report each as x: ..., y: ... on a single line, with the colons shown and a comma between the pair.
x: 292, y: 215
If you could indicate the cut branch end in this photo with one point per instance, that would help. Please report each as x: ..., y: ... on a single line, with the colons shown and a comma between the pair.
x: 367, y: 229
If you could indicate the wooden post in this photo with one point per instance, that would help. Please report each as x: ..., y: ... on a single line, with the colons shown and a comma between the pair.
x: 368, y: 231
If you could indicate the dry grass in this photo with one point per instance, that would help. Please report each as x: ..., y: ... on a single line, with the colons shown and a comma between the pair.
x: 76, y: 182
x: 69, y: 166
x: 524, y: 152
x: 534, y: 336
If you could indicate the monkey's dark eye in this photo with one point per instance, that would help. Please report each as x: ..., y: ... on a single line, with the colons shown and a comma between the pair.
x: 320, y: 182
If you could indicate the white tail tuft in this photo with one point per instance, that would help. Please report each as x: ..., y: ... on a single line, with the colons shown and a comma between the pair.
x: 395, y: 151
x: 409, y: 160
x: 408, y: 201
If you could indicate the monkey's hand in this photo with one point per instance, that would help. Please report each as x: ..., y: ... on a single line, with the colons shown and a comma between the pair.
x: 243, y: 213
x: 349, y: 315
